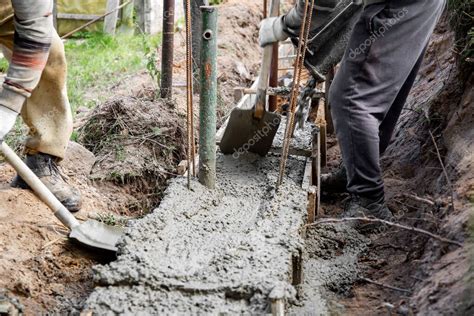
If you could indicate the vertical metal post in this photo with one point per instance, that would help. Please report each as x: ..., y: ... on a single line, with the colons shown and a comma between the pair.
x: 167, y: 49
x: 196, y: 29
x: 208, y: 98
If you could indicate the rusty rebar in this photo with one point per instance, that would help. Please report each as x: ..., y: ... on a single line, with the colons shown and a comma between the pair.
x: 167, y: 49
x: 300, y: 54
x: 189, y: 94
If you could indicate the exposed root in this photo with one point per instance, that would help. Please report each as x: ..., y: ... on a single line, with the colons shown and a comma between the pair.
x: 376, y: 220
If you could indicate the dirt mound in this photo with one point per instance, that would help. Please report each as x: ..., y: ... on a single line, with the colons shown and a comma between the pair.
x: 138, y: 144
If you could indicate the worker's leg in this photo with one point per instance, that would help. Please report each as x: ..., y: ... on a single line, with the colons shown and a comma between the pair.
x: 385, y: 47
x: 48, y: 116
x: 47, y: 112
x: 390, y: 121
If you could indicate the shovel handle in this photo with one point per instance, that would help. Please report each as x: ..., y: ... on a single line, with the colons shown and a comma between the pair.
x: 264, y: 75
x: 39, y: 188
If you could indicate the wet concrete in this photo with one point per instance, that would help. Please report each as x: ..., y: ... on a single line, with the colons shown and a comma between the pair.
x: 300, y: 144
x: 221, y: 251
x: 330, y: 269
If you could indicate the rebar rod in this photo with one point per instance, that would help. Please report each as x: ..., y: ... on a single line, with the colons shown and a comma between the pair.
x: 189, y: 94
x: 300, y: 54
x: 167, y: 50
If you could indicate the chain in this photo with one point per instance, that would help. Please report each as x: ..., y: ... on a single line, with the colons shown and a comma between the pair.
x: 300, y: 54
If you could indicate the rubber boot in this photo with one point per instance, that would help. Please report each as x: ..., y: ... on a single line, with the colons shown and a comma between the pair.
x: 45, y: 168
x: 334, y: 182
x: 359, y: 206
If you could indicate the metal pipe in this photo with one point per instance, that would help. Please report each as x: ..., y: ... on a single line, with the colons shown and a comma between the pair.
x: 208, y: 98
x: 167, y: 49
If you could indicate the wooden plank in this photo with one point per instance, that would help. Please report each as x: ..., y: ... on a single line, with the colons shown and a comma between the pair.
x: 312, y: 203
x: 322, y: 124
x: 74, y: 16
x: 278, y: 307
x: 126, y: 25
x: 292, y: 151
x: 297, y: 267
x: 316, y: 172
x: 306, y: 183
x: 110, y: 21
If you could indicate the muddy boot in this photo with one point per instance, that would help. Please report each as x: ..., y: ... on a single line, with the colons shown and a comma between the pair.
x: 359, y: 206
x: 44, y: 166
x: 334, y: 182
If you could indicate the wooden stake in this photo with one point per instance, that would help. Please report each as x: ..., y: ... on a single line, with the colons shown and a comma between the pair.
x: 278, y: 307
x: 312, y: 197
x: 110, y: 21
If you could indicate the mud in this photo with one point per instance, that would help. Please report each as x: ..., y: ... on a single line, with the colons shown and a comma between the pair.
x: 208, y: 251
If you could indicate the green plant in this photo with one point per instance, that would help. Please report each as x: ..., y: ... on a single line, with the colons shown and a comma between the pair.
x: 120, y: 153
x: 151, y: 56
x: 462, y: 20
x: 3, y: 65
x: 111, y: 219
x: 97, y: 61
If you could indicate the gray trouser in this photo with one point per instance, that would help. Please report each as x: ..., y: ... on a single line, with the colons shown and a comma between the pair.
x: 371, y: 86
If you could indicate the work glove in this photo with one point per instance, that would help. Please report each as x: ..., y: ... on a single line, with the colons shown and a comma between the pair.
x: 7, y: 121
x: 271, y: 31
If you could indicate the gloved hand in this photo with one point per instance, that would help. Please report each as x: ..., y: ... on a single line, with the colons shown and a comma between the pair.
x: 271, y: 31
x: 7, y: 121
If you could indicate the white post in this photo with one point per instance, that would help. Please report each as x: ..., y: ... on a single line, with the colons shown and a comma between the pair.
x: 110, y: 21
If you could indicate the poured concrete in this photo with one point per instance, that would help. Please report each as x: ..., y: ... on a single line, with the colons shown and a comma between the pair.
x: 300, y: 143
x: 226, y: 250
x: 330, y: 265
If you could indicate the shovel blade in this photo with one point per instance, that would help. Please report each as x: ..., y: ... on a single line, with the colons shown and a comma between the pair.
x: 97, y: 235
x: 244, y: 133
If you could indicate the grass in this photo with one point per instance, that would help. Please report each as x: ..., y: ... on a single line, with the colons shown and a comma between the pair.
x: 111, y: 219
x: 96, y: 61
x: 462, y: 20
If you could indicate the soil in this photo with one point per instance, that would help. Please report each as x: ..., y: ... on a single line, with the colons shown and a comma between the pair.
x: 431, y: 278
x: 38, y: 265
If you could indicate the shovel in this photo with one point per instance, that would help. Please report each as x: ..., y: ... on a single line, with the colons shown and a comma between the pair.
x: 91, y: 233
x: 253, y: 130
